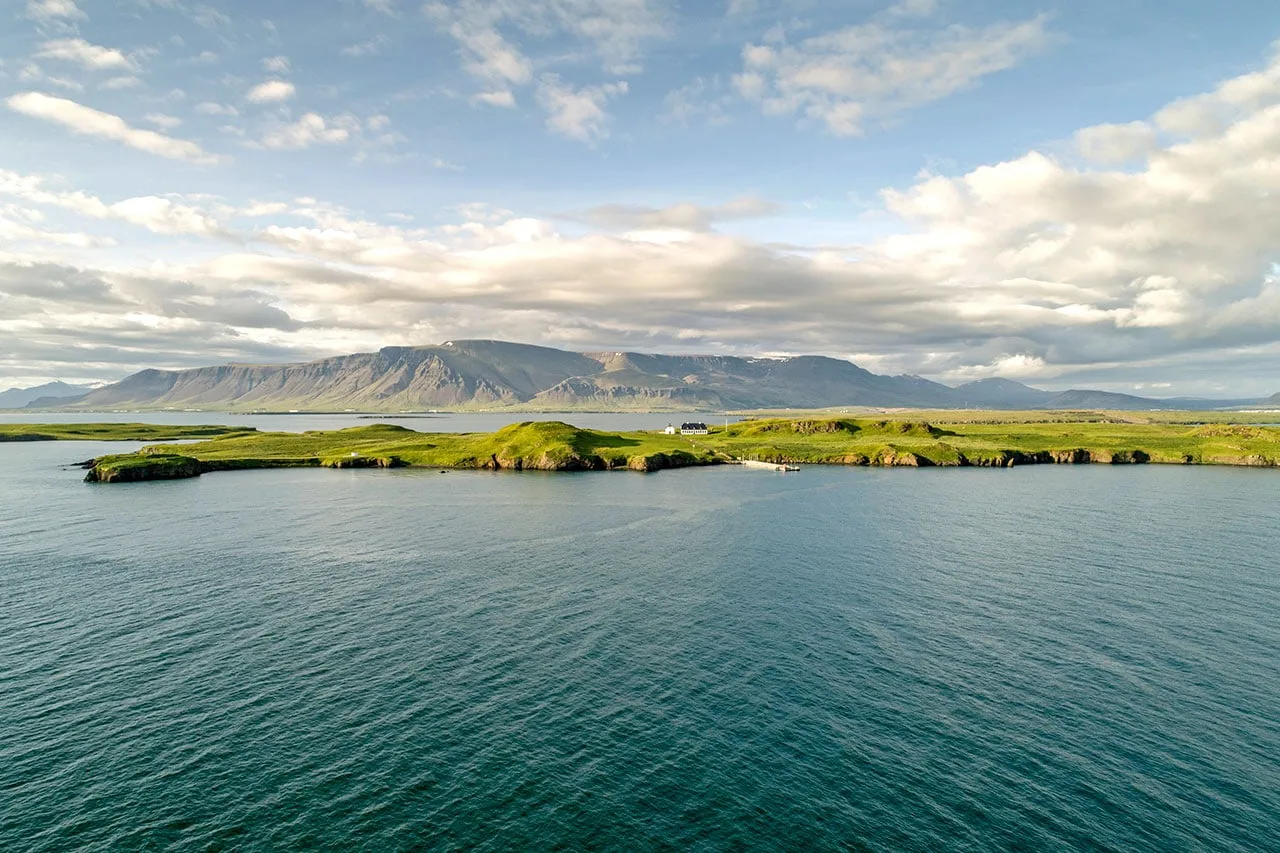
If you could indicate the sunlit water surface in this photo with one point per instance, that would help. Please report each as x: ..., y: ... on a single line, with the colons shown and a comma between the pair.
x: 720, y: 659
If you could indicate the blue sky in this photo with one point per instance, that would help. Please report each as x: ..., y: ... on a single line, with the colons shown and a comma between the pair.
x: 1066, y: 194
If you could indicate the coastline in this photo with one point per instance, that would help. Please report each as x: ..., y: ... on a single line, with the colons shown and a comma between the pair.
x: 558, y: 446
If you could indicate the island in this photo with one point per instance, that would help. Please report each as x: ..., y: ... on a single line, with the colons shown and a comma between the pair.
x: 555, y: 446
x: 115, y: 432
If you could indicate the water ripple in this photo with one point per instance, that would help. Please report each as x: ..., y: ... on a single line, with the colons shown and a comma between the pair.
x: 1075, y: 659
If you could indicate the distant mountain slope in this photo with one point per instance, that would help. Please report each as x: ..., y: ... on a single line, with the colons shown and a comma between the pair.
x: 492, y: 374
x: 1081, y: 399
x: 1002, y: 394
x: 17, y: 398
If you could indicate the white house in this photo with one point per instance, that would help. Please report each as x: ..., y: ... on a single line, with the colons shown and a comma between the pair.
x: 693, y: 429
x: 670, y: 430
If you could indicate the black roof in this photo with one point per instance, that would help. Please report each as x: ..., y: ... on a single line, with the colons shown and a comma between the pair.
x: 693, y: 426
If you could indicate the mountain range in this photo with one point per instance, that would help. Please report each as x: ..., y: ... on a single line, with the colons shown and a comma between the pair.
x: 480, y: 374
x: 50, y: 393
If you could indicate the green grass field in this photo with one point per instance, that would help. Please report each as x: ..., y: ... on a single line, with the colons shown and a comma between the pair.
x: 555, y: 446
x: 114, y: 432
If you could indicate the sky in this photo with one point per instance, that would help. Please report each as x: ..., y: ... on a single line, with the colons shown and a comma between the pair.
x: 1069, y: 194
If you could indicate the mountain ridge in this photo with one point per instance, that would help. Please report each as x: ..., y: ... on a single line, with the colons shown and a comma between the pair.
x: 486, y: 374
x: 17, y: 398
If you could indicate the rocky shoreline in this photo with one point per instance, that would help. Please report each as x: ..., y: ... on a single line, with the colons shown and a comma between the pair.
x: 177, y: 467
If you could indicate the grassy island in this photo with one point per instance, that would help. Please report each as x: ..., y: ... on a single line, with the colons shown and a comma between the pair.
x: 115, y: 432
x: 555, y: 446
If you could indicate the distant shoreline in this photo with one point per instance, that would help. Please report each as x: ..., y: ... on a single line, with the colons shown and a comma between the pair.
x: 558, y: 446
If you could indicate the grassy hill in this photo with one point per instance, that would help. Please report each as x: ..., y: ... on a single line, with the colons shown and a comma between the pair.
x: 555, y: 446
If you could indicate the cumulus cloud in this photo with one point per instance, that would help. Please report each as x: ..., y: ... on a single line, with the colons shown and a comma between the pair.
x: 87, y: 121
x: 91, y: 56
x: 1046, y: 268
x: 577, y: 112
x: 1113, y: 144
x: 271, y: 92
x: 164, y: 216
x: 846, y: 77
x: 312, y: 129
x: 156, y: 214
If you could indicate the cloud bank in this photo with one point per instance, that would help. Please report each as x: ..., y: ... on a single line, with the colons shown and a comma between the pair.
x: 1146, y: 252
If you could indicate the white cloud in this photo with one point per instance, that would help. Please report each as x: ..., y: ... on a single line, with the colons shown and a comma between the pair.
x: 386, y: 7
x: 212, y: 108
x: 1112, y: 144
x: 847, y: 76
x: 263, y: 208
x: 90, y: 122
x: 1209, y: 113
x: 1036, y: 267
x: 500, y: 98
x: 91, y: 56
x: 116, y: 83
x: 683, y: 217
x: 156, y: 214
x: 276, y: 64
x: 577, y: 113
x: 32, y: 73
x: 271, y: 92
x: 491, y: 57
x: 616, y: 31
x: 163, y: 121
x: 45, y: 10
x: 312, y: 129
x: 163, y: 216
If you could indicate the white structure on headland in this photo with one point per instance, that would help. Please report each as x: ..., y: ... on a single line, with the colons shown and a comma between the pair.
x: 694, y: 429
x: 670, y: 430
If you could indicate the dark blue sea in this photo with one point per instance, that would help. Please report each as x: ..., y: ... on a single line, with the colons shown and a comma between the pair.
x: 1034, y: 659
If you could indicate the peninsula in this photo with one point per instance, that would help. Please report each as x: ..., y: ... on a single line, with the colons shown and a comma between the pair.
x: 557, y: 446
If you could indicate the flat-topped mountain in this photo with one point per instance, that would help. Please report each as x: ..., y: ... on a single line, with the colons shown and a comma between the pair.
x: 476, y: 374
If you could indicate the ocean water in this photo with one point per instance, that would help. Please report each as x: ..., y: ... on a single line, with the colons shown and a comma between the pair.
x: 447, y: 422
x: 715, y: 659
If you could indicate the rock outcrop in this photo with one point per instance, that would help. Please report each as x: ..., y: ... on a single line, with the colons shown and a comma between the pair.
x: 138, y: 468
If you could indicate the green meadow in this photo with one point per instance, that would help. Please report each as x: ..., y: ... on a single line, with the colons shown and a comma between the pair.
x: 114, y: 432
x: 553, y: 446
